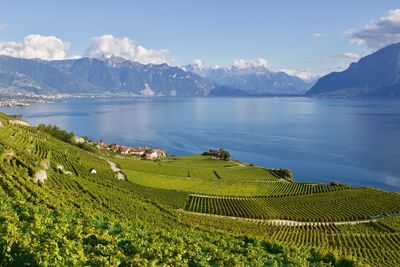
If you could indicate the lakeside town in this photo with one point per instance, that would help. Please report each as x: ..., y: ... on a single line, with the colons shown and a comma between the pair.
x: 144, y: 152
x: 24, y: 101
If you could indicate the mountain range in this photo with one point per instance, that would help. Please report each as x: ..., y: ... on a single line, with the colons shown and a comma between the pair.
x: 375, y: 75
x: 253, y: 80
x: 119, y: 76
x: 98, y: 76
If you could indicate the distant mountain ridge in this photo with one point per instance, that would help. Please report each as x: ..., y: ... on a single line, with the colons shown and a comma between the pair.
x: 98, y: 76
x: 255, y: 80
x: 19, y: 75
x: 375, y: 75
x: 117, y: 76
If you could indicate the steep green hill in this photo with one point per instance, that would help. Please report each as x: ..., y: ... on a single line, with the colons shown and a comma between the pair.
x: 55, y: 210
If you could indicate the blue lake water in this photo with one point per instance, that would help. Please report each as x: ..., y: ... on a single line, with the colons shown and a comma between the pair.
x: 352, y: 141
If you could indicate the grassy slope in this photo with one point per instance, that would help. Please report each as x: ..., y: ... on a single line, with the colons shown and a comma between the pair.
x: 226, y: 187
x: 74, y: 208
x: 202, y: 175
x: 198, y: 166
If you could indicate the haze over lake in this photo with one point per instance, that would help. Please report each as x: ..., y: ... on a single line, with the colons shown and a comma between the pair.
x: 351, y: 141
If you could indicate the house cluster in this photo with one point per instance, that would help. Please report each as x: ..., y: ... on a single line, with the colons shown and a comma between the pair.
x: 144, y: 152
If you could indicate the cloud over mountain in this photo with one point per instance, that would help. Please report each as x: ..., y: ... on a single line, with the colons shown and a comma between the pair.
x: 350, y: 55
x: 107, y: 45
x: 198, y: 62
x: 378, y: 33
x: 302, y: 74
x: 243, y: 63
x: 36, y: 46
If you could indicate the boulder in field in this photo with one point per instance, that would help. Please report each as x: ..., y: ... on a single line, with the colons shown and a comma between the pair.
x: 40, y: 176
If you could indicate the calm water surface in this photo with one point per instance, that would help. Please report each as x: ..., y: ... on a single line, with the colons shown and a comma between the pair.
x: 352, y: 141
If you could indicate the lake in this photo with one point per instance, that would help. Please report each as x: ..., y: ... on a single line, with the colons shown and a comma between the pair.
x: 352, y: 141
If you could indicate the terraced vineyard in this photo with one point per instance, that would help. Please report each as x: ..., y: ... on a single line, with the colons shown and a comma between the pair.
x: 176, y: 197
x: 378, y: 249
x: 24, y: 149
x: 228, y: 187
x: 199, y: 167
x: 344, y: 205
x: 378, y: 243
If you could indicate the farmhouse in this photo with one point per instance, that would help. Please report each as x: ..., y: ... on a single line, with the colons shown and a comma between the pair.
x: 145, y: 152
x: 153, y: 153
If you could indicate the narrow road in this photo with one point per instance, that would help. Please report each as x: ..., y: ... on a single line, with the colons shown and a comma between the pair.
x: 282, y: 222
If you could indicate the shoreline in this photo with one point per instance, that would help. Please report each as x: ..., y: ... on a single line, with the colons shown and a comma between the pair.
x: 302, y: 169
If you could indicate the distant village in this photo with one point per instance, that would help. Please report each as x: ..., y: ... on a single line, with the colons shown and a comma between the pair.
x: 24, y: 100
x: 144, y: 152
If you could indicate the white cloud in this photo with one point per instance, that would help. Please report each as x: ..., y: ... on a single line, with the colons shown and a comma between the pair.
x: 243, y: 64
x: 108, y: 45
x: 3, y: 27
x: 318, y: 34
x: 350, y: 55
x: 378, y: 33
x: 302, y: 74
x: 198, y: 62
x: 35, y: 46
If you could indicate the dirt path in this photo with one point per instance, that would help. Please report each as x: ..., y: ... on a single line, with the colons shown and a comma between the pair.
x: 114, y: 168
x: 239, y: 164
x: 281, y: 222
x: 222, y: 197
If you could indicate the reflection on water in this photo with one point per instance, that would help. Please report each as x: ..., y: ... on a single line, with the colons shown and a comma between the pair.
x: 353, y: 141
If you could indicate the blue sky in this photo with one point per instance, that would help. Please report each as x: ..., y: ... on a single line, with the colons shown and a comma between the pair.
x: 310, y: 36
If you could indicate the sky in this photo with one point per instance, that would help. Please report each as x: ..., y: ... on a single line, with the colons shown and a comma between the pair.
x: 303, y: 38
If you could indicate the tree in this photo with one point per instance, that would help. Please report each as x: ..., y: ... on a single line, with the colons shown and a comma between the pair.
x: 218, y: 154
x: 284, y: 173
